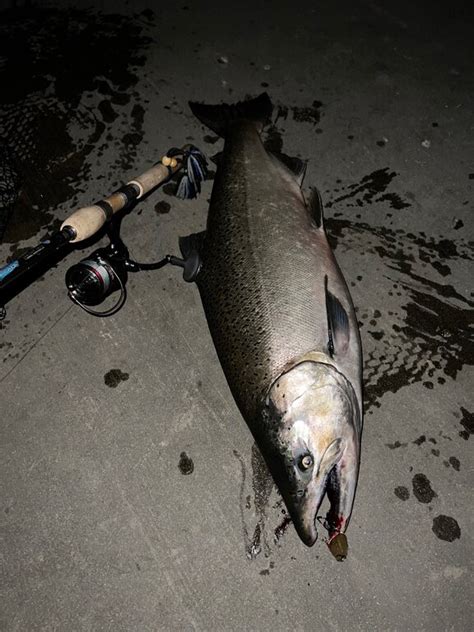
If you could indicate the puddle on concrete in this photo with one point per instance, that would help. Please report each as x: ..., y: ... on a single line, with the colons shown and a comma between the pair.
x: 427, y: 336
x: 113, y: 377
x: 467, y: 421
x: 422, y: 489
x: 402, y: 492
x: 185, y: 464
x: 446, y: 528
x: 54, y: 62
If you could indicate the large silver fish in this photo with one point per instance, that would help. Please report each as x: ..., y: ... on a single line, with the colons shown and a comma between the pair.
x: 282, y: 320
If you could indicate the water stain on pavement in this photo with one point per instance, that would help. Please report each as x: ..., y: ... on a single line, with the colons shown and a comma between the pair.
x: 132, y: 138
x: 421, y: 439
x: 113, y: 377
x: 185, y: 464
x: 401, y: 492
x: 467, y: 422
x: 429, y: 330
x: 446, y: 528
x: 311, y: 114
x: 162, y: 207
x: 252, y: 544
x: 53, y: 61
x: 422, y: 489
x: 396, y: 444
x: 455, y: 463
x: 256, y: 533
x: 262, y: 485
x: 371, y: 188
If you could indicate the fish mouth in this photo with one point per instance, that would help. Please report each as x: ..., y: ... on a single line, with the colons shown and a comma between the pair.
x: 304, y: 513
x: 305, y: 527
x: 338, y: 483
x: 302, y: 501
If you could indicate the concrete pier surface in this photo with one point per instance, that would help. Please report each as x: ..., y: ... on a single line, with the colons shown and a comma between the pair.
x: 132, y: 497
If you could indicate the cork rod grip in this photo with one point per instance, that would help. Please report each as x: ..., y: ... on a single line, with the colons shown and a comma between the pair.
x: 85, y: 222
x: 155, y: 176
x: 88, y: 220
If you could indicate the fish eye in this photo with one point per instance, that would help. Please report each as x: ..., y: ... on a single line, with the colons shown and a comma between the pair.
x: 306, y: 462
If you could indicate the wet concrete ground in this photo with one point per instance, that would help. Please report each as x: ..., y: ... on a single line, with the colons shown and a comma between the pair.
x: 132, y: 496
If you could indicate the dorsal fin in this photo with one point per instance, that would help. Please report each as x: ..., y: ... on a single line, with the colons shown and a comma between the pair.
x: 338, y: 323
x: 315, y: 207
x: 296, y: 166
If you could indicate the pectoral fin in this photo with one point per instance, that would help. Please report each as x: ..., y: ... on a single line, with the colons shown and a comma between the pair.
x: 315, y: 207
x: 338, y: 323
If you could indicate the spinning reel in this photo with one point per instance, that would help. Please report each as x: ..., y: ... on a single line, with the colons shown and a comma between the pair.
x: 105, y: 271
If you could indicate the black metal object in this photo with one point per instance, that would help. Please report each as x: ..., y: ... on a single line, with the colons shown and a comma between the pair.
x: 105, y: 271
x: 101, y: 273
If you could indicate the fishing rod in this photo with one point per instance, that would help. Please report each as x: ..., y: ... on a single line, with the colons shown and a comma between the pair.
x: 105, y: 271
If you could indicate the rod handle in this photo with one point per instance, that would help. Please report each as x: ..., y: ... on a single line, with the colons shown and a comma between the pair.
x: 88, y: 220
x: 156, y: 175
x: 85, y: 222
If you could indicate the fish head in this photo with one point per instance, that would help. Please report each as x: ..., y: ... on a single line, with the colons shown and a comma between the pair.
x: 313, y: 418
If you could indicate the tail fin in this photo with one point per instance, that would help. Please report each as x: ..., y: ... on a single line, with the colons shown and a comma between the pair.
x: 220, y: 117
